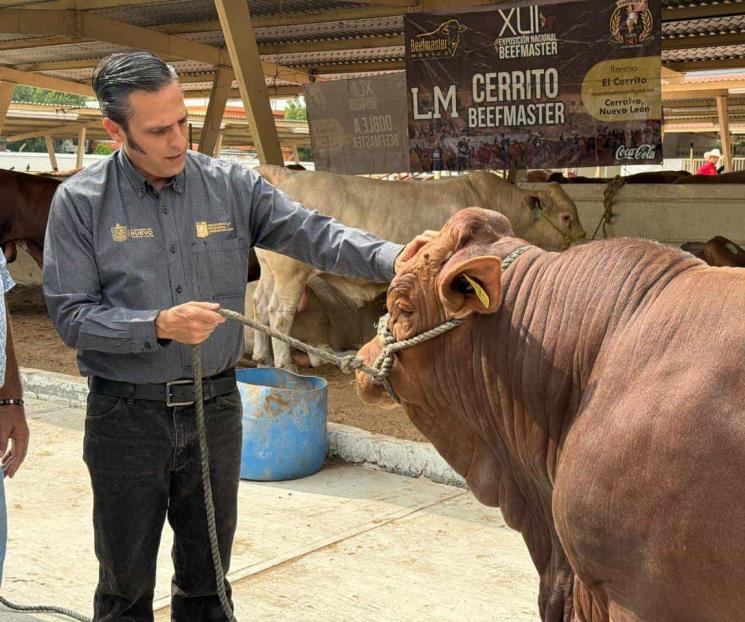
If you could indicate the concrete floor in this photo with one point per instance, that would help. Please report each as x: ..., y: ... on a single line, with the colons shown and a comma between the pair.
x: 345, y: 544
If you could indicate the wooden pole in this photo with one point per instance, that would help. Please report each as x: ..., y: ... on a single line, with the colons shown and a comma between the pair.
x: 81, y: 148
x: 50, y: 150
x: 215, y: 110
x: 723, y: 112
x: 235, y: 20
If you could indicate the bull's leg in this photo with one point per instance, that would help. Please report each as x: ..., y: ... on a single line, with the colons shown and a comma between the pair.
x: 262, y: 345
x: 284, y: 302
x: 317, y: 361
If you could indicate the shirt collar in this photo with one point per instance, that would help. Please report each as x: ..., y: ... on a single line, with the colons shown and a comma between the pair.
x: 139, y: 184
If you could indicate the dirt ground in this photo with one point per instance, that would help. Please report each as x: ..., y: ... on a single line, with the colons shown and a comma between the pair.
x: 38, y: 346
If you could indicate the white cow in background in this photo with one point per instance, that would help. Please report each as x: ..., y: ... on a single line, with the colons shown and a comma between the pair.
x: 396, y: 211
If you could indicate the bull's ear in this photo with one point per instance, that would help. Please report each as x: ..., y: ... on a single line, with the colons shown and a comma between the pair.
x: 471, y: 286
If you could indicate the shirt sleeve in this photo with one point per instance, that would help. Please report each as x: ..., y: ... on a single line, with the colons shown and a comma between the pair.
x: 7, y: 281
x: 73, y: 292
x: 279, y: 224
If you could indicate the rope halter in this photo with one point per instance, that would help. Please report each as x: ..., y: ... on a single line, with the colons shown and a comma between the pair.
x: 383, y: 364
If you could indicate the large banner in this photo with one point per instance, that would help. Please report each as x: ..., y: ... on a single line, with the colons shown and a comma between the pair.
x: 534, y: 86
x: 359, y: 125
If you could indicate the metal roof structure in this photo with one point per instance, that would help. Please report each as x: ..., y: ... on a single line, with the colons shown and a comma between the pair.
x: 57, y: 43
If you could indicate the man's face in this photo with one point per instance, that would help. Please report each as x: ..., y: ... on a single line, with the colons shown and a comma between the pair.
x: 714, y: 159
x: 156, y: 137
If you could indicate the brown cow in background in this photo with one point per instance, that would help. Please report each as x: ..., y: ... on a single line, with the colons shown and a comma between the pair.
x: 24, y: 210
x: 719, y: 251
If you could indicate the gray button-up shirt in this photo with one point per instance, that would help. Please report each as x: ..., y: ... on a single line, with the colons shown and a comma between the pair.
x: 117, y: 252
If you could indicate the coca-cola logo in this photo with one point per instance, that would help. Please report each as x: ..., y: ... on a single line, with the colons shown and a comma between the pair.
x: 641, y: 152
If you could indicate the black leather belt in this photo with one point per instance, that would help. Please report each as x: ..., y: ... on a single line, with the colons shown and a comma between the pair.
x: 174, y: 393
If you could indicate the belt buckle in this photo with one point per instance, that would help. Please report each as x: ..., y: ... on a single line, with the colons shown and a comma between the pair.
x: 169, y: 403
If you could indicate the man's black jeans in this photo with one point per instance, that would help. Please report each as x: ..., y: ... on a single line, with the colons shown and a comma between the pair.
x: 143, y: 459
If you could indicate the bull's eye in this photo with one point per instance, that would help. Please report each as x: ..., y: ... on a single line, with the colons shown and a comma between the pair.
x: 404, y: 306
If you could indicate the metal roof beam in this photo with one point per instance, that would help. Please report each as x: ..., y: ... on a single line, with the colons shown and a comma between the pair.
x: 687, y: 43
x: 700, y: 65
x: 702, y: 11
x: 58, y: 130
x: 274, y: 92
x: 399, y: 3
x: 80, y: 24
x: 389, y: 65
x: 37, y: 42
x: 701, y: 94
x: 86, y: 5
x: 45, y: 82
x: 40, y: 22
x: 332, y: 15
x: 678, y: 86
x: 332, y: 45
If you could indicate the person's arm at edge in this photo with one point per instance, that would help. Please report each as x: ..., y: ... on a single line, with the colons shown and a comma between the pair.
x: 13, y: 424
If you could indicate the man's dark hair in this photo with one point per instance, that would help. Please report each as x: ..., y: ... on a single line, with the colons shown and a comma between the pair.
x: 118, y: 75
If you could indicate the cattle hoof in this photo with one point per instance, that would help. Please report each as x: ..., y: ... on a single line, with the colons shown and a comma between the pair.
x: 262, y: 361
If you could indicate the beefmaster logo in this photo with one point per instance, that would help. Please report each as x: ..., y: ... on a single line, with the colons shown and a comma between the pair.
x: 442, y: 42
x: 631, y: 23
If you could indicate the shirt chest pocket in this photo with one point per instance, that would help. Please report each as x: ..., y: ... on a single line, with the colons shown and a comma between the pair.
x: 221, y: 268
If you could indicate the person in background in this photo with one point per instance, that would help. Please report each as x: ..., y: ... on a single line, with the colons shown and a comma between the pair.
x: 14, y: 435
x: 711, y: 160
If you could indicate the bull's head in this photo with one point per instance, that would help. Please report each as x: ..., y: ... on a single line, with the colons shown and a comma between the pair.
x: 450, y: 389
x: 554, y: 222
x: 456, y: 275
x: 452, y: 29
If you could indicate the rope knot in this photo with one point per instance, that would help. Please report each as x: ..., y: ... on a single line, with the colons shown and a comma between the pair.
x: 350, y: 363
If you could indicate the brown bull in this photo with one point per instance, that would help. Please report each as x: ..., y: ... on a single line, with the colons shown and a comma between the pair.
x: 569, y: 397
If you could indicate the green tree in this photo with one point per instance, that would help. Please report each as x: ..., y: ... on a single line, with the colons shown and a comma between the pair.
x: 103, y: 149
x: 33, y: 95
x: 294, y: 111
x: 35, y: 145
x: 44, y: 96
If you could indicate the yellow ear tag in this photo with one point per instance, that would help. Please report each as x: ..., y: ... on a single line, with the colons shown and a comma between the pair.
x: 480, y: 293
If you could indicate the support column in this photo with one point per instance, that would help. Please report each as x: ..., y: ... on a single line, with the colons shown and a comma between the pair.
x: 724, y: 136
x: 235, y: 21
x: 81, y: 148
x: 218, y: 145
x: 50, y: 150
x: 6, y: 93
x: 215, y: 110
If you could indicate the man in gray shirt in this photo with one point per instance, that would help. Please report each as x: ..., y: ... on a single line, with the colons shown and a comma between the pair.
x: 132, y: 242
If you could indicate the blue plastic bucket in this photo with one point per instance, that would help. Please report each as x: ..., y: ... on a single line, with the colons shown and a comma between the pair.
x: 284, y: 424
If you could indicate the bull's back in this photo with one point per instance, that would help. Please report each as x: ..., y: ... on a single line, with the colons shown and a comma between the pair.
x: 649, y: 498
x: 392, y: 210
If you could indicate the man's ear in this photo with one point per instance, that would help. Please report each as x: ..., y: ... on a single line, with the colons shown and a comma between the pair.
x: 471, y: 286
x: 114, y: 130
